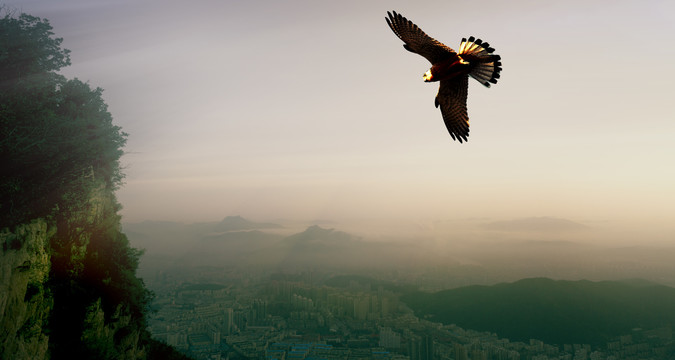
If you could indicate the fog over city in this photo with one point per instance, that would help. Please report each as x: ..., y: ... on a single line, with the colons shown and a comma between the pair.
x: 306, y: 110
x: 308, y: 113
x: 310, y: 116
x: 294, y: 189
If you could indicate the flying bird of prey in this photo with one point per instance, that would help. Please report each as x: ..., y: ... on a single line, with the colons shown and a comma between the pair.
x: 475, y: 58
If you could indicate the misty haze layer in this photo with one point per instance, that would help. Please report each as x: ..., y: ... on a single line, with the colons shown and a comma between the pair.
x: 308, y: 110
x: 438, y: 262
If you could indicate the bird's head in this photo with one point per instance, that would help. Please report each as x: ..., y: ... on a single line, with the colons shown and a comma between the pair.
x: 427, y: 76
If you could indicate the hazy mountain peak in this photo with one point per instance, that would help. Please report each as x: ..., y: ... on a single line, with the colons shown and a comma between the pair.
x: 318, y: 230
x: 234, y: 218
x: 237, y: 223
x: 316, y: 233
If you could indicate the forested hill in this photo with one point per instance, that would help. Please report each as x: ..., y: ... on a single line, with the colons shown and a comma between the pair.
x: 556, y: 312
x: 68, y: 288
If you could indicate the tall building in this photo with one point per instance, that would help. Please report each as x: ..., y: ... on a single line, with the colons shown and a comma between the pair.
x: 460, y: 352
x: 228, y: 321
x: 421, y: 348
x: 389, y: 339
x: 385, y: 306
x: 239, y: 319
x: 478, y: 354
x: 427, y: 348
x: 361, y: 307
x: 259, y: 311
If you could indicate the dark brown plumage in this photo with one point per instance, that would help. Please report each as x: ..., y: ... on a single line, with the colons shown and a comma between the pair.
x: 452, y: 69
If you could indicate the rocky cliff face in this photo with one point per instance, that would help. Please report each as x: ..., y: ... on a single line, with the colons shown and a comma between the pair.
x: 118, y: 336
x: 28, y: 261
x: 25, y: 302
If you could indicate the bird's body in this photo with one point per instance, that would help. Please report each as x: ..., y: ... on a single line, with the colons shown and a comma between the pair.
x: 452, y: 69
x: 447, y: 69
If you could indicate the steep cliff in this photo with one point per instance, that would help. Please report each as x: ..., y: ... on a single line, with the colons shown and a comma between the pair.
x: 52, y: 303
x: 25, y: 302
x: 68, y: 286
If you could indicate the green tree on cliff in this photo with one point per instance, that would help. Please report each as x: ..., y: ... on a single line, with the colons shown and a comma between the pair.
x: 52, y: 130
x: 58, y: 146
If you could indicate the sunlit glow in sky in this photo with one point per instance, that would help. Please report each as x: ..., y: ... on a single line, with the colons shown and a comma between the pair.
x: 313, y: 109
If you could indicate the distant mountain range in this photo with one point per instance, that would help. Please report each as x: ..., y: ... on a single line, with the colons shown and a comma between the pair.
x: 238, y: 223
x: 174, y: 238
x: 556, y: 312
x: 236, y: 241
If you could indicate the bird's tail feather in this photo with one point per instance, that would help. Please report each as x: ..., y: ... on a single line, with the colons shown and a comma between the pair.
x: 489, y: 64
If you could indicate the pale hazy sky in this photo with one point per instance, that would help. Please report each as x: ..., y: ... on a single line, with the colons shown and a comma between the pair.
x: 313, y: 109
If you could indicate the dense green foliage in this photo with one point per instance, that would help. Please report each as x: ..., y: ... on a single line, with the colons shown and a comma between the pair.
x: 105, y: 271
x: 60, y: 154
x: 556, y: 312
x: 55, y: 134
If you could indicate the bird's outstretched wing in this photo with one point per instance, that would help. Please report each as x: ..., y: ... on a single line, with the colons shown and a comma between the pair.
x: 416, y: 40
x: 452, y: 100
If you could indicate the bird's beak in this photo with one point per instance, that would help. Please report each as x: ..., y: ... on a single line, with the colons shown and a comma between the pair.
x: 427, y: 76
